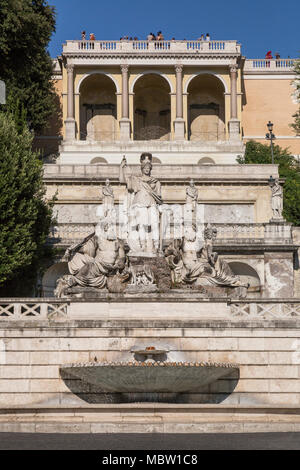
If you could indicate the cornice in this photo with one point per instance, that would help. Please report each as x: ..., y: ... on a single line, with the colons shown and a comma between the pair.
x: 150, y: 55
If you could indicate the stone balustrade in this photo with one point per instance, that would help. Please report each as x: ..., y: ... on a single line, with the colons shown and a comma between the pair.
x: 268, y: 309
x: 151, y: 46
x: 34, y: 309
x: 254, y: 233
x: 31, y: 309
x: 268, y: 65
x: 233, y: 234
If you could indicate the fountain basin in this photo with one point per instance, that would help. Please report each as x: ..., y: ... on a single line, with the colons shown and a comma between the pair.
x: 149, y: 376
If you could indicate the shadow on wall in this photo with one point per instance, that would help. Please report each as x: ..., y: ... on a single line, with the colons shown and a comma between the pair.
x: 214, y: 393
x: 206, y: 161
x: 247, y: 274
x: 50, y: 277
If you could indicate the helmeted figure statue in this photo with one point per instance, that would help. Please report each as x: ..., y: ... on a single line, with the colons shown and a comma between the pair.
x: 143, y: 210
x: 91, y: 261
x: 193, y: 261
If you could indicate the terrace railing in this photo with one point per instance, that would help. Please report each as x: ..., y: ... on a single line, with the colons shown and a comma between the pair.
x: 151, y: 46
x: 268, y: 65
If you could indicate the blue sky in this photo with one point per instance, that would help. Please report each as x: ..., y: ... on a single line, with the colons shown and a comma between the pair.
x: 258, y: 25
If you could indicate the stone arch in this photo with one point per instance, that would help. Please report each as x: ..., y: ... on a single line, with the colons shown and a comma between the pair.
x: 97, y: 72
x: 152, y: 108
x: 206, y: 108
x: 98, y: 161
x: 50, y: 277
x: 247, y: 273
x: 206, y: 161
x: 206, y: 72
x: 155, y: 72
x: 98, y: 108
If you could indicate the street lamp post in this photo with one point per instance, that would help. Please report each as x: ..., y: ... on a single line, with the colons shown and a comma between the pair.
x: 270, y: 136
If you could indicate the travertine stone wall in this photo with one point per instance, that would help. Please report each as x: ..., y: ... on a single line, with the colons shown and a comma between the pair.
x: 268, y: 353
x: 223, y: 213
x: 279, y: 275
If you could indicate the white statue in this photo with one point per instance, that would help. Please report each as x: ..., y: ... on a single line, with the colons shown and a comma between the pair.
x: 91, y: 261
x: 108, y: 198
x: 143, y: 211
x: 192, y: 194
x: 277, y: 199
x: 194, y: 262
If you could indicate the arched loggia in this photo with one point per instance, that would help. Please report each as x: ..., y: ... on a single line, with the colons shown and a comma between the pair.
x: 152, y: 108
x: 206, y: 108
x: 98, y: 108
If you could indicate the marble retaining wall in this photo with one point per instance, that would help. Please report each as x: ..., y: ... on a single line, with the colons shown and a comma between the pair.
x: 263, y: 338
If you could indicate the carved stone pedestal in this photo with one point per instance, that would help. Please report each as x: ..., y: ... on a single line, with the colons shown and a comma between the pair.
x: 125, y: 128
x: 234, y: 130
x: 70, y: 125
x: 179, y: 129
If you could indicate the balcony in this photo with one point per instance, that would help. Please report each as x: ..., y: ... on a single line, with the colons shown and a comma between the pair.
x: 268, y: 65
x: 125, y: 46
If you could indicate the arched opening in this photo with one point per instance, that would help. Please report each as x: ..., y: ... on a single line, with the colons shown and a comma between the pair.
x: 50, y: 277
x: 206, y: 108
x: 98, y: 108
x: 247, y: 274
x: 98, y: 161
x: 206, y: 161
x: 152, y: 108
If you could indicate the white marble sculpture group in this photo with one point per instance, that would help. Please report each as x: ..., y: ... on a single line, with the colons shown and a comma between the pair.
x: 102, y: 260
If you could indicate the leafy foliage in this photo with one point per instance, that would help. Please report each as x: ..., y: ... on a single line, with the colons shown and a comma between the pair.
x: 26, y: 27
x: 25, y: 216
x: 257, y: 153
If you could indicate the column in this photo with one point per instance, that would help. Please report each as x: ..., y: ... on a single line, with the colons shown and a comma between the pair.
x: 234, y: 123
x: 70, y: 123
x: 125, y: 121
x: 179, y: 121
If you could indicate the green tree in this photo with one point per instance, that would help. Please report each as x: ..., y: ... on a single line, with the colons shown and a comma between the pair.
x: 296, y: 124
x: 288, y: 169
x: 25, y: 216
x: 26, y: 27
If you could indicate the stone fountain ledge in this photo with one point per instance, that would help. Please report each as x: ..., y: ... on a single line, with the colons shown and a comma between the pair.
x: 157, y: 418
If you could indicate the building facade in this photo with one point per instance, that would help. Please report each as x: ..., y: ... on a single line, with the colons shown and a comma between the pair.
x: 193, y: 105
x: 185, y: 101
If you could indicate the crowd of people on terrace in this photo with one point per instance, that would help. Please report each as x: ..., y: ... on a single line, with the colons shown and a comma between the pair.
x: 151, y: 37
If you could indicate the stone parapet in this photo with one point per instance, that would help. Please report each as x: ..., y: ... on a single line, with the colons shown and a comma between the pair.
x: 156, y: 47
x: 201, y: 173
x: 147, y: 307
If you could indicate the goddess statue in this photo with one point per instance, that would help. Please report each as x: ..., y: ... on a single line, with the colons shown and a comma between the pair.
x: 143, y: 210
